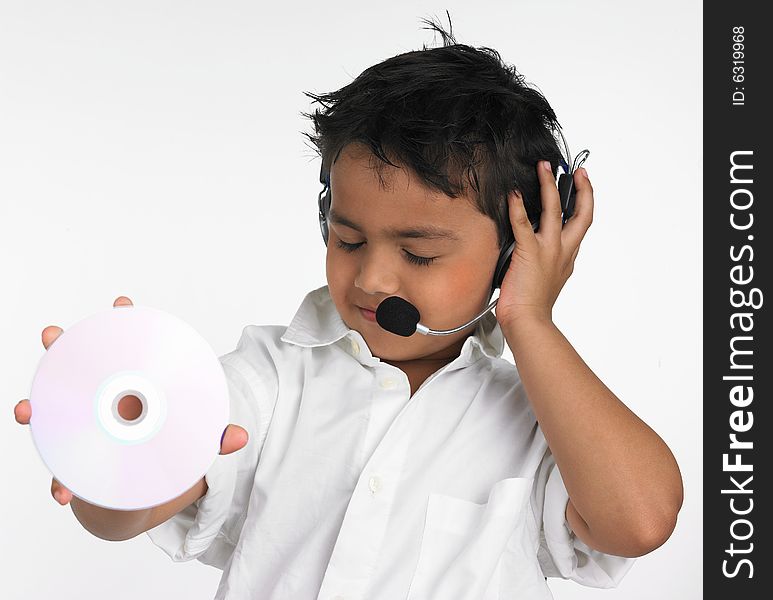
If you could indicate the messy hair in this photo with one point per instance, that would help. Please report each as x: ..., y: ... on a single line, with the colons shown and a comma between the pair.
x: 456, y: 116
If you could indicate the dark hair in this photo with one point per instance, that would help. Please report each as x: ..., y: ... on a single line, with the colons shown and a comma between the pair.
x: 445, y: 112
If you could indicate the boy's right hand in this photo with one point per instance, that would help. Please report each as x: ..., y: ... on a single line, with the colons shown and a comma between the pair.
x: 234, y: 438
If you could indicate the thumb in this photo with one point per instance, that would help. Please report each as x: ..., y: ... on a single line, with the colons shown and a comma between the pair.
x: 122, y: 301
x: 234, y: 438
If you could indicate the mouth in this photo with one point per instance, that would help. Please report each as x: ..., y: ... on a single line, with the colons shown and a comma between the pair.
x: 368, y: 314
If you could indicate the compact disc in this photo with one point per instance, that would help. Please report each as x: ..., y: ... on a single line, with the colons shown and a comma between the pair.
x: 128, y: 407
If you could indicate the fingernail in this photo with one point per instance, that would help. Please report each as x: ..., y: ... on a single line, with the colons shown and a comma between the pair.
x: 584, y: 172
x: 546, y: 165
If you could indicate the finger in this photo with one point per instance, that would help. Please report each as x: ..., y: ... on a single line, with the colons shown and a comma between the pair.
x: 575, y: 253
x: 122, y: 301
x: 519, y: 221
x: 550, y: 219
x: 60, y: 493
x: 234, y: 438
x: 573, y: 260
x: 576, y: 227
x: 22, y: 412
x: 50, y: 334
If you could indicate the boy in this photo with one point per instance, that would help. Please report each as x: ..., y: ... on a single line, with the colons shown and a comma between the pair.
x: 381, y: 466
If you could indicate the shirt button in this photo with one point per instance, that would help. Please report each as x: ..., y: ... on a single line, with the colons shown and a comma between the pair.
x: 355, y: 347
x: 388, y: 383
x: 374, y: 484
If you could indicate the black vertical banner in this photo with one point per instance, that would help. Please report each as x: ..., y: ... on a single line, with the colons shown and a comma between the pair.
x: 737, y: 263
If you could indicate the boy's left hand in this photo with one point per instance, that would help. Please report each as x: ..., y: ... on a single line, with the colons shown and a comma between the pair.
x: 543, y: 261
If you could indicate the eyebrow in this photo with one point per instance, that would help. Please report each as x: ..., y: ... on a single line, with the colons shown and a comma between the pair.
x: 430, y: 232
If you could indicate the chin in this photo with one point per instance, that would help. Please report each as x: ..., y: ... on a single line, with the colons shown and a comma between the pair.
x: 396, y: 350
x: 391, y: 347
x: 382, y: 343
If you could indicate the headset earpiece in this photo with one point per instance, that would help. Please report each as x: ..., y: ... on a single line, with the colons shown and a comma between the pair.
x: 323, y: 202
x: 567, y: 194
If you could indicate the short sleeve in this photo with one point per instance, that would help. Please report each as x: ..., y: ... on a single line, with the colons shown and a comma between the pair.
x: 561, y: 553
x: 209, y: 529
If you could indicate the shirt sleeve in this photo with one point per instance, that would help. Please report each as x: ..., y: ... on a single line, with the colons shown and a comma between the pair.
x: 561, y: 553
x: 209, y: 529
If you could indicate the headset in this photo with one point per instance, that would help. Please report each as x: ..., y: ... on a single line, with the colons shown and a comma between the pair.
x: 566, y: 191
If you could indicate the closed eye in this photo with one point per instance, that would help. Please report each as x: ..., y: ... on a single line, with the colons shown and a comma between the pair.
x: 412, y: 258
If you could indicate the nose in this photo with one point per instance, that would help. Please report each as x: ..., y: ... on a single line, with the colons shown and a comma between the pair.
x: 377, y: 276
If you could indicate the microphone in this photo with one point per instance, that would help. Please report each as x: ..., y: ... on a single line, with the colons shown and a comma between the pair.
x: 400, y: 317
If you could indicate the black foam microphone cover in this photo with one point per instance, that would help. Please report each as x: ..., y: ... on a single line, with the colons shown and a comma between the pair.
x: 398, y: 316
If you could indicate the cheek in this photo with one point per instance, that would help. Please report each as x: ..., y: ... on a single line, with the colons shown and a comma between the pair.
x: 340, y: 272
x: 332, y: 271
x: 462, y: 290
x: 465, y: 278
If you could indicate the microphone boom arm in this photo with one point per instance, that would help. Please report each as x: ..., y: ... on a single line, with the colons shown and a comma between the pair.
x: 423, y: 329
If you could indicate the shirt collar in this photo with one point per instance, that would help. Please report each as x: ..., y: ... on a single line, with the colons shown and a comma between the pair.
x: 317, y: 323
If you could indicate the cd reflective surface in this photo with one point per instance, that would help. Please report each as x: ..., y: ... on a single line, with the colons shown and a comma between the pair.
x: 128, y: 406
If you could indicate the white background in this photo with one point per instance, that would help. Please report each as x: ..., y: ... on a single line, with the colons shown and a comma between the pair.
x: 153, y: 149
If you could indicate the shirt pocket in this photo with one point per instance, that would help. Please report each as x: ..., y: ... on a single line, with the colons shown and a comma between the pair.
x: 465, y: 546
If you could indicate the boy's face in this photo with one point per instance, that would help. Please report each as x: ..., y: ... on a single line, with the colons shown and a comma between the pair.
x: 448, y: 292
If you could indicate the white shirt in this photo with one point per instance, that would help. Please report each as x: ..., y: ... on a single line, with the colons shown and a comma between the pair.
x: 350, y: 489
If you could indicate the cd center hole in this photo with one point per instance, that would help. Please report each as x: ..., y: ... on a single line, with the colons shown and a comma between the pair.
x: 130, y: 407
